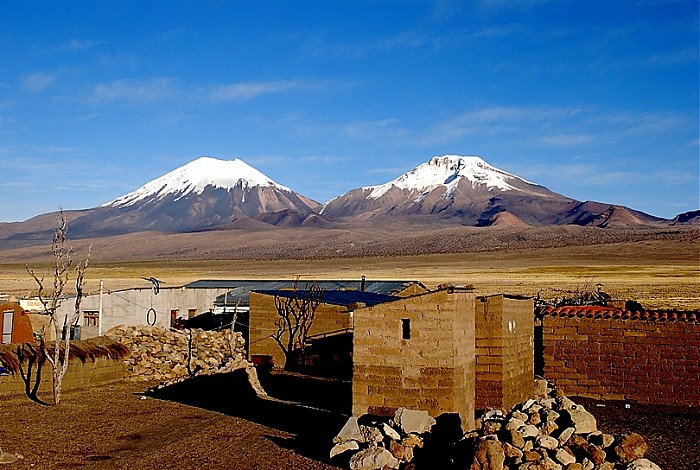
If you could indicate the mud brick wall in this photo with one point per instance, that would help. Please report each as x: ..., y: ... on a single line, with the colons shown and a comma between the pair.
x: 504, y: 360
x: 642, y: 361
x: 432, y: 370
x: 263, y: 315
x: 100, y: 371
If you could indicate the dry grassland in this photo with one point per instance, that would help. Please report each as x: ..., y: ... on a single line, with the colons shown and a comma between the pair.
x: 660, y: 274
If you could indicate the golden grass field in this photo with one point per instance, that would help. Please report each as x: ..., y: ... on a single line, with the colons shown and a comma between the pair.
x: 658, y: 273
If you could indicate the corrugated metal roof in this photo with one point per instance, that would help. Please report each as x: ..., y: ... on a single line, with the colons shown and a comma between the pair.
x: 337, y: 297
x: 239, y: 290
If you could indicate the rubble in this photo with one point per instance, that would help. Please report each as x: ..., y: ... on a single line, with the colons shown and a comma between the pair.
x: 549, y: 432
x: 169, y: 356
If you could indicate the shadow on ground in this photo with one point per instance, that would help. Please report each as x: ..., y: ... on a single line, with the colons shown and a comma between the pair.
x: 311, y: 410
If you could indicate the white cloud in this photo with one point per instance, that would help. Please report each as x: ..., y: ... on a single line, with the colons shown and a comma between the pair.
x: 382, y: 128
x: 406, y: 40
x: 134, y: 91
x: 76, y: 45
x: 38, y: 82
x: 250, y: 90
x: 564, y: 140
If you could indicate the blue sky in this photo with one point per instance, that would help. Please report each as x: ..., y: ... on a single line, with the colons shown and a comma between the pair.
x: 597, y: 100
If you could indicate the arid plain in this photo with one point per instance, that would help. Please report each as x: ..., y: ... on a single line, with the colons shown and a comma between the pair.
x: 659, y: 268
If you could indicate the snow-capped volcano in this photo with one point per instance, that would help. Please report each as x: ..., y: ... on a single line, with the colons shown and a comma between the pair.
x: 448, y: 186
x: 448, y: 171
x: 196, y: 176
x: 204, y: 194
x: 467, y: 190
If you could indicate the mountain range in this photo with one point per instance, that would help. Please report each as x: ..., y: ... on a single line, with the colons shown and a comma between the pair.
x: 211, y: 194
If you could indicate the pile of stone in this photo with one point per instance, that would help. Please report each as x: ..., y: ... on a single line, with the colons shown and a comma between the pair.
x: 549, y: 432
x: 168, y: 356
x: 380, y: 443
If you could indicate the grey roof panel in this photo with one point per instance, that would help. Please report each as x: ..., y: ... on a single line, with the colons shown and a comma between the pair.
x: 239, y: 290
x: 338, y: 297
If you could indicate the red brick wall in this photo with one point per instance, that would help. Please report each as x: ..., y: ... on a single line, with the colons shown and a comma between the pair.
x: 651, y: 362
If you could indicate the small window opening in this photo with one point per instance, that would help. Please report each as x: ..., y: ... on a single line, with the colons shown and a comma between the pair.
x: 405, y: 328
x: 91, y: 318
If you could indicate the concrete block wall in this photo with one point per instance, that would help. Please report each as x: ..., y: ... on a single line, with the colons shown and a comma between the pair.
x: 504, y: 351
x: 263, y: 315
x: 433, y: 370
x: 643, y: 361
x: 100, y: 371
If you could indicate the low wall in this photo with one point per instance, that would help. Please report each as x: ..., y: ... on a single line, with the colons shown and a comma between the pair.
x: 648, y: 361
x: 80, y: 374
x: 162, y: 355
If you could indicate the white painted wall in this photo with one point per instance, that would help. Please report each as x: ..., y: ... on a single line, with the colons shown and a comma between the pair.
x: 130, y: 307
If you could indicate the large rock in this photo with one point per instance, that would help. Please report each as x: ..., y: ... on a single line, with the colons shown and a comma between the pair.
x: 630, y: 447
x: 489, y: 455
x: 564, y: 457
x: 582, y: 420
x: 6, y: 457
x: 642, y: 464
x: 586, y: 450
x: 344, y: 447
x: 349, y: 432
x: 413, y: 421
x: 373, y: 458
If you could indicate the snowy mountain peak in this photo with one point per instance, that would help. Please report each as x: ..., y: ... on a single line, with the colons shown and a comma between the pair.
x: 448, y: 171
x: 195, y: 176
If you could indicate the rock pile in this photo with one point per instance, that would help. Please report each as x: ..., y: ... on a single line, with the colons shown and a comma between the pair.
x: 166, y: 356
x: 549, y: 432
x: 386, y: 444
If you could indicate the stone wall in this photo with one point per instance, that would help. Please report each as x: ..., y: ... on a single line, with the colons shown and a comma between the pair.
x: 162, y: 355
x: 644, y: 361
x: 417, y: 353
x: 504, y: 359
x: 263, y: 315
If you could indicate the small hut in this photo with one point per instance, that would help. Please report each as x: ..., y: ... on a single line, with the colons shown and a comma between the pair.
x: 15, y: 325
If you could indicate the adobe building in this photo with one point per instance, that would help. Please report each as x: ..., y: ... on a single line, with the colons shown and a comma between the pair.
x: 334, y: 315
x: 15, y: 325
x: 416, y: 353
x: 161, y: 306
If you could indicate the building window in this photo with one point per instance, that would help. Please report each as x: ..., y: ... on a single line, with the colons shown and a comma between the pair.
x: 91, y: 318
x: 191, y: 312
x: 405, y: 328
x: 7, y: 320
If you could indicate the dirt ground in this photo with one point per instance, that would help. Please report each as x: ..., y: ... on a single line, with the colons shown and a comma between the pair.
x: 217, y: 422
x: 118, y: 427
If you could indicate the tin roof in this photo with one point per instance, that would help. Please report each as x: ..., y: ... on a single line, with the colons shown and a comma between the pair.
x: 337, y: 297
x: 239, y: 290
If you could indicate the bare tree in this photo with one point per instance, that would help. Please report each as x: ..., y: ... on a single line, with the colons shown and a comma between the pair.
x: 27, y: 353
x: 296, y: 314
x: 51, y: 301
